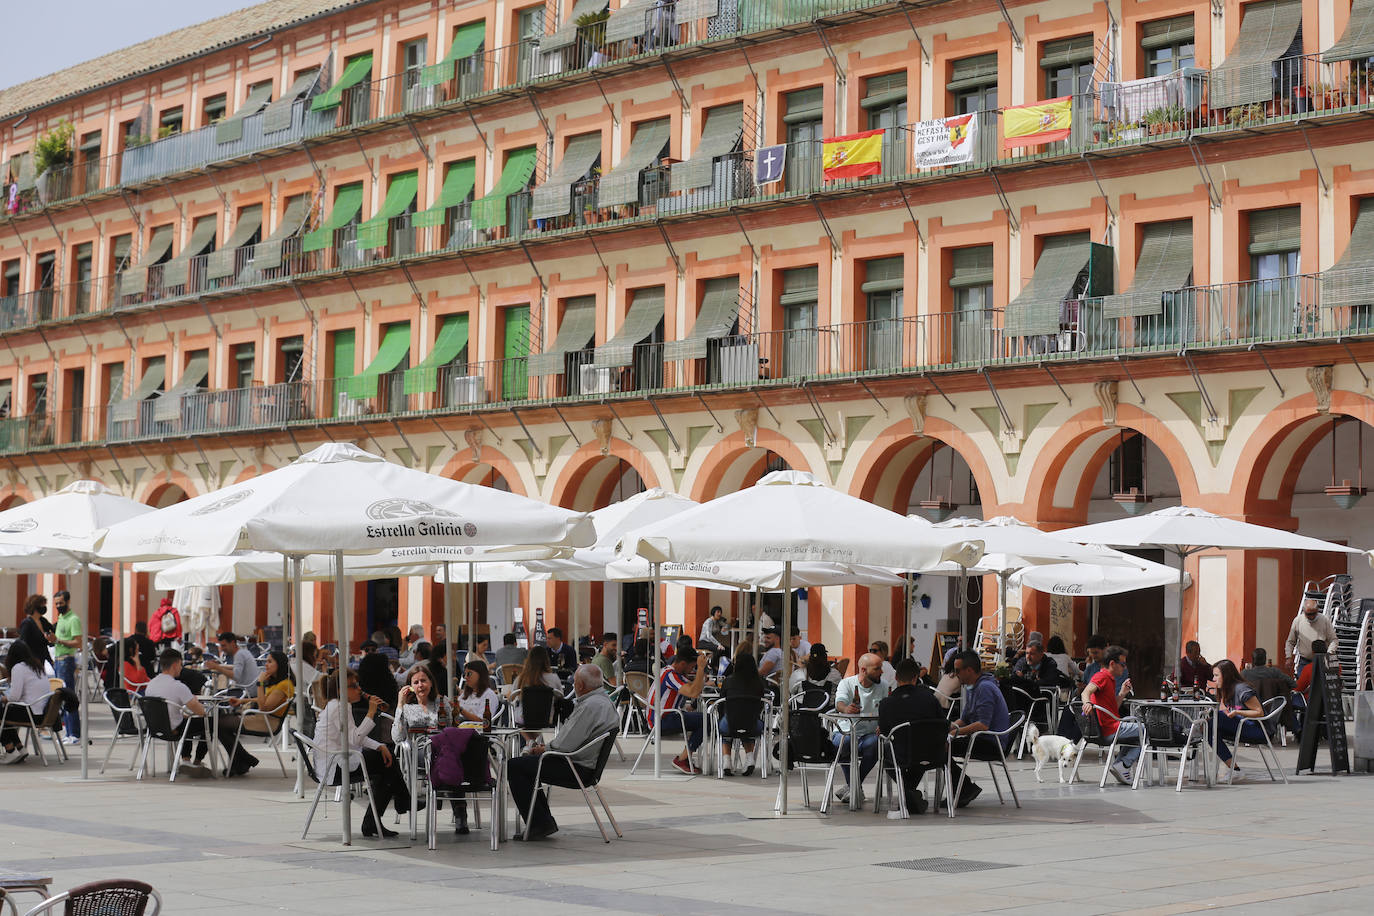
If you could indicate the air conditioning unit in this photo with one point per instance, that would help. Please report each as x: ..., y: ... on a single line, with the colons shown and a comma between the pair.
x: 350, y: 406
x: 739, y: 364
x: 597, y: 380
x: 466, y: 389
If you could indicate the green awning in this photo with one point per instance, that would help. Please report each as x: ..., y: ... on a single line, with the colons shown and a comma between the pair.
x: 691, y: 10
x: 575, y: 332
x: 453, y: 337
x: 168, y: 404
x: 153, y: 376
x: 884, y: 90
x: 466, y: 41
x: 629, y: 20
x: 177, y: 271
x: 1165, y: 265
x: 135, y: 279
x: 972, y: 73
x: 1067, y: 52
x: 1063, y: 259
x: 355, y: 71
x: 230, y: 130
x: 1161, y: 33
x: 458, y: 184
x: 1276, y: 231
x: 1357, y: 42
x: 395, y: 345
x: 348, y: 203
x: 800, y: 286
x: 277, y: 116
x: 715, y: 319
x: 645, y: 313
x: 1350, y: 281
x: 220, y: 264
x: 267, y: 254
x: 400, y: 194
x: 621, y: 184
x: 566, y: 34
x: 489, y: 212
x: 1246, y: 76
x: 804, y: 105
x: 883, y: 275
x: 720, y: 135
x: 971, y: 267
x: 554, y: 196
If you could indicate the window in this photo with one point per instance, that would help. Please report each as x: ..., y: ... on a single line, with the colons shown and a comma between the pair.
x: 119, y: 253
x: 245, y: 364
x: 515, y: 348
x: 884, y: 101
x: 1166, y: 45
x: 1068, y: 66
x: 89, y: 175
x: 82, y: 258
x: 799, y: 300
x: 213, y: 109
x: 414, y: 56
x: 529, y: 27
x: 38, y: 395
x: 1275, y: 262
x: 971, y: 287
x: 10, y: 282
x: 170, y: 122
x: 803, y: 114
x: 290, y: 359
x: 972, y: 88
x: 47, y: 282
x: 882, y: 289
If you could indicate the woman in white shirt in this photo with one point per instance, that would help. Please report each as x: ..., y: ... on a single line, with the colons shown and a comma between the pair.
x: 477, y: 697
x: 382, y: 771
x: 28, y: 685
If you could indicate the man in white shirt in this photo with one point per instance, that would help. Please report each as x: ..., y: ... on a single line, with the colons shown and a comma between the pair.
x: 242, y: 668
x: 166, y: 686
x: 859, y: 694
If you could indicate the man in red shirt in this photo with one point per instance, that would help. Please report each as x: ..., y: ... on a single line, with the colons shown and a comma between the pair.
x: 1101, y: 693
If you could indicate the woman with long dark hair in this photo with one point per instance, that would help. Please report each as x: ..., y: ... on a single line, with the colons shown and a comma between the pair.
x: 275, y: 689
x: 1238, y: 707
x: 476, y: 695
x: 383, y: 773
x: 743, y: 681
x: 376, y: 679
x: 28, y: 685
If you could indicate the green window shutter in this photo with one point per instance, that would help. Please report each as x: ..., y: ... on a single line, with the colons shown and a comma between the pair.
x: 804, y: 105
x: 566, y: 34
x: 621, y: 184
x: 277, y: 116
x: 135, y: 279
x: 177, y: 271
x: 453, y: 337
x: 629, y: 20
x: 168, y: 404
x: 467, y: 41
x: 971, y: 267
x: 1357, y: 43
x: 355, y: 71
x: 154, y: 374
x: 1036, y: 310
x: 1346, y: 283
x: 1246, y: 76
x: 554, y: 196
x: 393, y: 349
x: 644, y: 314
x: 343, y: 353
x: 972, y: 73
x: 267, y: 254
x: 514, y: 379
x: 715, y: 319
x: 882, y: 274
x: 220, y: 264
x: 230, y: 129
x: 1165, y: 265
x: 400, y: 194
x: 348, y: 203
x: 882, y: 91
x: 720, y: 136
x: 458, y: 183
x: 489, y: 212
x: 799, y: 286
x: 1165, y: 32
x: 1067, y: 52
x: 1276, y: 231
x: 576, y: 331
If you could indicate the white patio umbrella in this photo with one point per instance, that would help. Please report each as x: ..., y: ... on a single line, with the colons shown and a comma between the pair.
x: 1010, y: 545
x: 790, y: 517
x: 1092, y: 580
x: 72, y: 520
x: 19, y: 560
x: 338, y: 499
x: 1183, y: 531
x: 244, y: 567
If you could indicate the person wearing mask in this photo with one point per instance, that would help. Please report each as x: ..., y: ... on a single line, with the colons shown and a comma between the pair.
x: 509, y: 653
x: 910, y: 701
x: 984, y: 709
x: 676, y: 686
x: 743, y: 681
x: 593, y: 715
x: 1193, y: 669
x: 1310, y: 625
x: 1102, y: 692
x: 382, y: 771
x: 35, y: 631
x: 859, y: 693
x: 605, y: 660
x: 239, y: 665
x: 68, y: 640
x: 29, y: 686
x: 562, y: 656
x: 713, y: 630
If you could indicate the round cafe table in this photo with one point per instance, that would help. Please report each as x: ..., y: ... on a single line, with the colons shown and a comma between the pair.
x: 850, y: 719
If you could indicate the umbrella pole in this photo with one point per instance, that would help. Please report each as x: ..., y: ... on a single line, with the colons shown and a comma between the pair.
x: 345, y: 710
x: 964, y: 639
x: 81, y: 659
x: 657, y: 655
x: 786, y: 640
x: 450, y: 599
x: 293, y: 602
x: 908, y: 650
x: 470, y: 610
x: 117, y: 620
x: 758, y: 621
x: 1002, y: 614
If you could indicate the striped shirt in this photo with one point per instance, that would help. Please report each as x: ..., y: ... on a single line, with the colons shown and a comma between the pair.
x: 670, y: 686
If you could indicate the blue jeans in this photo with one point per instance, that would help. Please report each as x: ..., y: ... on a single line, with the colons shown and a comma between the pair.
x: 1128, y: 753
x: 676, y: 720
x: 66, y: 669
x: 1228, y: 728
x: 868, y: 753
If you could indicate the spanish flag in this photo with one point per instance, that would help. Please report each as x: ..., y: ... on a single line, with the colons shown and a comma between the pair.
x: 1038, y: 122
x: 852, y: 156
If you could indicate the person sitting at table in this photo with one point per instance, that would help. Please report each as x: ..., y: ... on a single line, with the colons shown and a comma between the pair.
x: 1238, y: 707
x: 509, y: 653
x: 771, y: 663
x: 309, y: 656
x: 421, y: 706
x: 1097, y: 644
x: 859, y: 694
x: 674, y: 689
x: 535, y: 672
x: 984, y: 709
x: 1069, y: 671
x: 476, y: 696
x: 561, y: 655
x: 375, y: 678
x: 169, y: 688
x: 275, y: 689
x: 948, y: 687
x: 639, y: 657
x: 817, y: 672
x: 240, y: 666
x: 1102, y: 692
x: 713, y: 628
x: 605, y: 660
x: 438, y: 666
x: 743, y: 681
x: 1038, y: 668
x: 910, y: 701
x: 134, y: 675
x: 1193, y: 669
x: 879, y: 648
x: 593, y: 715
x: 383, y: 774
x: 28, y: 685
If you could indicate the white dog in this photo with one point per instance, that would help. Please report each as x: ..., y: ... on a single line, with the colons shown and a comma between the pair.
x: 1051, y: 747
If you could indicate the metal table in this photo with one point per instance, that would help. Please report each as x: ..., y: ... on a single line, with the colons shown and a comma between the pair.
x: 22, y: 884
x: 1195, y: 709
x: 852, y: 718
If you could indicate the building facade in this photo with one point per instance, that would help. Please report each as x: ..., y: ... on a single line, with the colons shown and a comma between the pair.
x: 537, y: 246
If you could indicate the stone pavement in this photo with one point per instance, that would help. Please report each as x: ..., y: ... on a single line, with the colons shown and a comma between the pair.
x: 705, y: 846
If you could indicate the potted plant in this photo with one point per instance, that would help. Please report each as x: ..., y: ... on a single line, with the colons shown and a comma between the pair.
x: 591, y: 31
x: 1175, y: 118
x: 1154, y: 121
x: 53, y: 150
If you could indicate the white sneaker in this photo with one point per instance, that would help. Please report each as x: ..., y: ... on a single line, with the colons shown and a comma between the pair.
x: 1121, y: 772
x: 7, y: 757
x: 1237, y: 775
x: 842, y: 794
x: 71, y: 739
x: 19, y: 755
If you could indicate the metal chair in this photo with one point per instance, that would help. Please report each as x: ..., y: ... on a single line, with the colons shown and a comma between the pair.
x: 273, y: 721
x: 593, y: 784
x: 21, y: 715
x: 476, y: 790
x: 808, y: 743
x: 1169, y: 732
x: 1273, y: 710
x: 635, y: 723
x: 507, y: 674
x: 1018, y: 721
x: 157, y: 718
x: 1091, y: 728
x: 1030, y: 703
x: 923, y: 743
x: 118, y: 897
x: 126, y: 720
x: 746, y: 717
x: 643, y: 705
x: 334, y: 765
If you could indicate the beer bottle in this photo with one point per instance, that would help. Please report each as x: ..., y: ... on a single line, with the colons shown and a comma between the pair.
x: 486, y: 715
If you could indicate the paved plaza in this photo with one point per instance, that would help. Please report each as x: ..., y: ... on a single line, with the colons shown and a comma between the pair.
x: 702, y: 846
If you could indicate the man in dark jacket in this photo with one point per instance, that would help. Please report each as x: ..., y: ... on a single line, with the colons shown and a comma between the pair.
x: 911, y: 701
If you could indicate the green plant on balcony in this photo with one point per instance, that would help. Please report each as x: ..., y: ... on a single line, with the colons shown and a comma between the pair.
x: 53, y: 150
x: 166, y: 131
x: 1357, y: 87
x: 591, y: 32
x: 1245, y: 115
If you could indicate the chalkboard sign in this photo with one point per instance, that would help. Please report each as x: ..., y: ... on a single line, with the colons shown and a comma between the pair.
x: 944, y: 641
x: 1324, y: 708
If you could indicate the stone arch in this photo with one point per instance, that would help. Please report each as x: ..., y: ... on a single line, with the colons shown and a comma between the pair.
x: 464, y: 467
x: 588, y: 477
x: 168, y: 489
x: 732, y: 464
x: 891, y: 464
